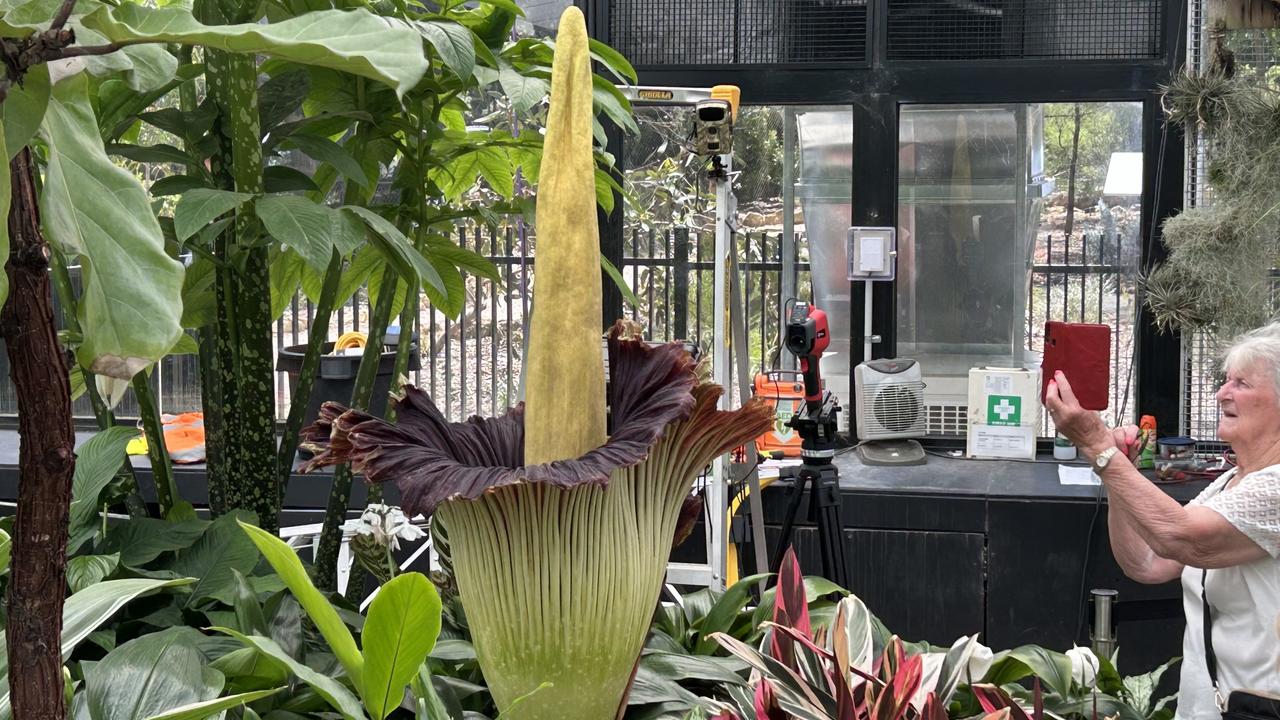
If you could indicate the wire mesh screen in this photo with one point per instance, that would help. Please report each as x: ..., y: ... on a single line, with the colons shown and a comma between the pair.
x: 749, y: 32
x: 993, y: 29
x: 1256, y: 52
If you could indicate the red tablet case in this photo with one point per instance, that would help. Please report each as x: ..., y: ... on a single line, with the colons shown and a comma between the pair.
x: 1082, y: 351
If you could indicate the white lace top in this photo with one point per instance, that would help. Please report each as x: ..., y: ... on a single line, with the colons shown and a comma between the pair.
x: 1245, y: 600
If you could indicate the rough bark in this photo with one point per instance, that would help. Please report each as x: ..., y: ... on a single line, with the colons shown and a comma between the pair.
x: 46, y: 462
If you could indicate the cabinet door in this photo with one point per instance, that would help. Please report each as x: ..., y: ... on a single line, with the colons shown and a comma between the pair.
x: 922, y: 585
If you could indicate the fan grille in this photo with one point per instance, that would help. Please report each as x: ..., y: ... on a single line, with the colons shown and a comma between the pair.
x: 894, y: 408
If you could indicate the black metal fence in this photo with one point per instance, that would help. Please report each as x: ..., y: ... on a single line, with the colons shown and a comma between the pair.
x: 471, y: 364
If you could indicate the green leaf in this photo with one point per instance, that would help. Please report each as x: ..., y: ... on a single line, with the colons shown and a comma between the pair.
x: 142, y: 540
x: 454, y: 44
x: 6, y: 550
x: 215, y: 558
x: 328, y: 151
x: 704, y: 668
x: 248, y: 610
x: 248, y: 669
x: 6, y: 191
x: 21, y: 112
x: 86, y: 570
x: 201, y: 206
x: 82, y: 613
x: 627, y: 293
x: 98, y: 212
x: 444, y: 251
x: 614, y: 61
x: 211, y: 708
x: 283, y: 179
x: 724, y: 612
x: 186, y: 345
x: 152, y: 66
x: 150, y: 675
x: 304, y: 226
x: 338, y: 697
x: 97, y: 461
x: 356, y: 41
x: 157, y: 153
x: 607, y: 98
x: 286, y: 274
x: 285, y: 561
x: 177, y: 185
x: 199, y: 303
x: 454, y: 297
x: 397, y: 249
x: 524, y: 91
x: 281, y: 96
x: 404, y: 620
x: 1053, y: 668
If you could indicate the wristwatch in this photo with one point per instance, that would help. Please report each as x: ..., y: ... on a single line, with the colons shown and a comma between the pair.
x: 1100, y: 462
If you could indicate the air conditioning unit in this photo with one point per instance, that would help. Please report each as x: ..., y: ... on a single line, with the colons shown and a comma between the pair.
x: 889, y: 399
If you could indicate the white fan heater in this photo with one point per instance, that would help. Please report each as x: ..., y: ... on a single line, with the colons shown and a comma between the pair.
x: 889, y: 409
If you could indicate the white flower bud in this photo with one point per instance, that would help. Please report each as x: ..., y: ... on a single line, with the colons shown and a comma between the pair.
x: 1084, y: 666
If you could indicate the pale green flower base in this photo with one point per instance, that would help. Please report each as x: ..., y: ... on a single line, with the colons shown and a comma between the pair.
x: 560, y: 585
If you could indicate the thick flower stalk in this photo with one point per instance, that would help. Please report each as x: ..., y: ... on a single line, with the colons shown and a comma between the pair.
x: 558, y: 533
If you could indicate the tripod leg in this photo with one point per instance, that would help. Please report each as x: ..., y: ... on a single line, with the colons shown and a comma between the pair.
x: 825, y: 506
x: 794, y: 493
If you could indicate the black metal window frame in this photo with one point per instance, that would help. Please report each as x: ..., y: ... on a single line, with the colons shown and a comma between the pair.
x: 876, y: 92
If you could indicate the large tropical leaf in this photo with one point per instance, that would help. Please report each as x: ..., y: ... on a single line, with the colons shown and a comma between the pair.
x: 287, y: 565
x: 142, y: 540
x: 150, y: 675
x: 86, y: 570
x: 334, y: 692
x: 404, y: 620
x: 82, y: 613
x: 98, y: 212
x: 355, y: 41
x: 221, y: 552
x: 23, y: 110
x: 97, y: 461
x: 455, y: 44
x: 721, y: 616
x: 312, y: 230
x: 201, y: 206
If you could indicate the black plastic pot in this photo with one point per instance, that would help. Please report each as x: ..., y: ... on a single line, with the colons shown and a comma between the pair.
x: 336, y: 376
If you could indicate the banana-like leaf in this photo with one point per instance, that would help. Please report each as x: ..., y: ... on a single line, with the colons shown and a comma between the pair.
x: 355, y: 41
x: 98, y: 212
x: 404, y: 620
x: 211, y: 708
x: 1053, y: 668
x: 151, y: 675
x: 82, y: 613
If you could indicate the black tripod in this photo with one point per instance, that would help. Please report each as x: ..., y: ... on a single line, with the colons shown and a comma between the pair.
x: 816, y: 423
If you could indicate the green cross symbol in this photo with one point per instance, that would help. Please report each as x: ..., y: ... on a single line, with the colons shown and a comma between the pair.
x: 1004, y: 410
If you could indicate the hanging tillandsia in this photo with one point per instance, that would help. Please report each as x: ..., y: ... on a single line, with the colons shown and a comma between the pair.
x: 559, y: 530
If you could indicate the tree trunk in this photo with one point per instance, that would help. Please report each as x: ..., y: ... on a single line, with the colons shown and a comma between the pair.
x: 1071, y: 177
x: 46, y: 462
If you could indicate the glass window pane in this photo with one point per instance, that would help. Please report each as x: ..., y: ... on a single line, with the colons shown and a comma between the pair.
x: 1009, y: 216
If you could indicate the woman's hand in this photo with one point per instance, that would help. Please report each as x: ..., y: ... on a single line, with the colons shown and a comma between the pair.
x: 1083, y: 427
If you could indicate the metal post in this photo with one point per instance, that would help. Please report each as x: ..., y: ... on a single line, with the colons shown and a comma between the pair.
x: 1103, y: 636
x: 787, y: 243
x: 720, y: 371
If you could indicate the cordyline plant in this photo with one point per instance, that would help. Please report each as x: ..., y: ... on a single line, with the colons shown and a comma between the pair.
x: 559, y: 530
x: 808, y: 673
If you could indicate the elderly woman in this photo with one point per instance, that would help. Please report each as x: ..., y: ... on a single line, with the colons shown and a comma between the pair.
x: 1228, y: 537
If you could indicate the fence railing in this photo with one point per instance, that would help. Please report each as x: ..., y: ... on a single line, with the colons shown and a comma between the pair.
x: 471, y: 364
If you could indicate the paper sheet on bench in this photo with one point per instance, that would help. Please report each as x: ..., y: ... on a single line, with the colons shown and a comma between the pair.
x: 1074, y: 475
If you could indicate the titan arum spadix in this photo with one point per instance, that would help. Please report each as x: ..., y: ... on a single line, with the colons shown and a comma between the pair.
x: 559, y: 534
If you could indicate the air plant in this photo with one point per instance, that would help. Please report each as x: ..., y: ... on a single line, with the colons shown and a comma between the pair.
x: 560, y: 515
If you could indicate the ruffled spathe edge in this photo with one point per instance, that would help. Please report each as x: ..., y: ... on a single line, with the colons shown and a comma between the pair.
x: 432, y: 460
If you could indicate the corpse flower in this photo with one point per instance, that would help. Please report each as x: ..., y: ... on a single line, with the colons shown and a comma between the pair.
x: 561, y: 513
